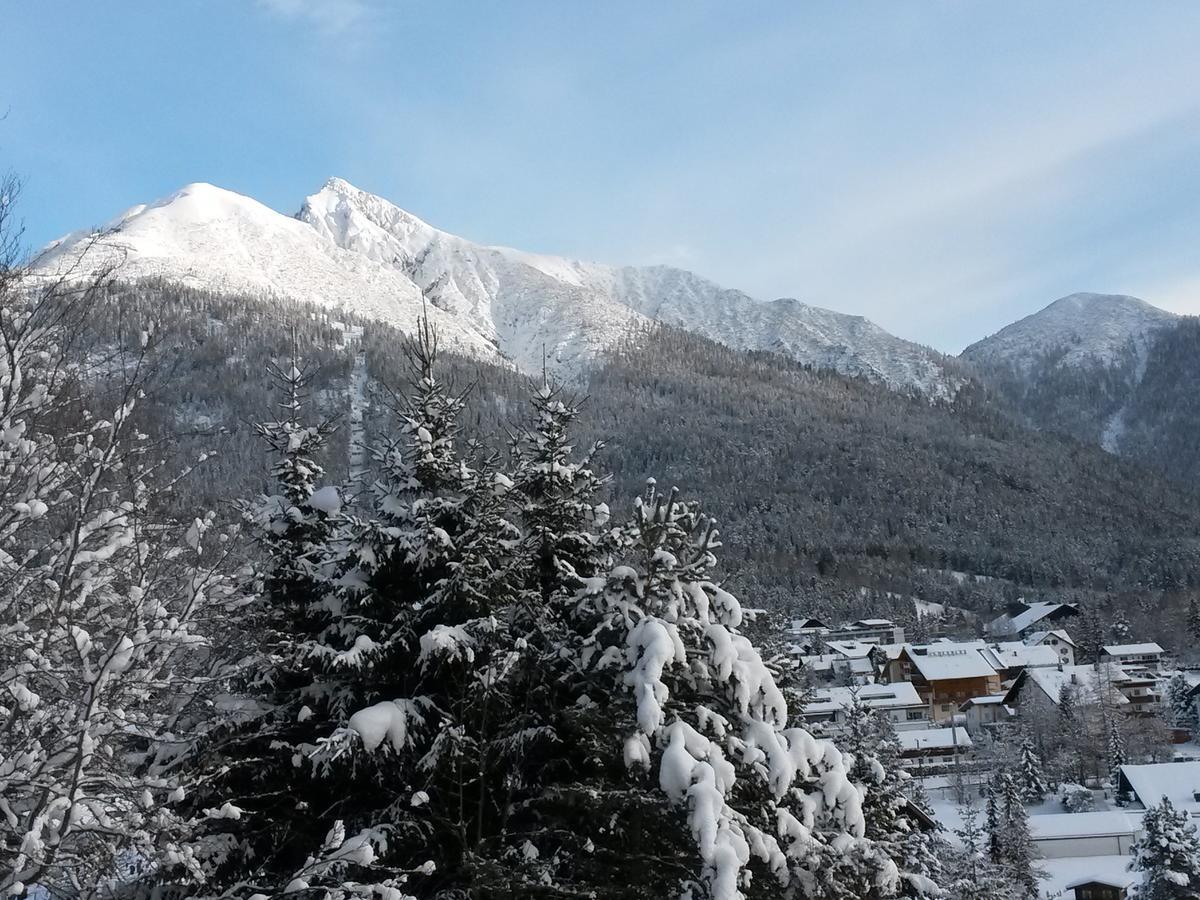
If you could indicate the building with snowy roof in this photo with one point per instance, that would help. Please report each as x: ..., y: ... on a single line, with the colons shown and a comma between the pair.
x: 900, y: 702
x: 1179, y: 782
x: 945, y: 674
x: 926, y: 748
x: 982, y: 713
x: 1022, y: 619
x: 1059, y: 639
x: 1010, y: 658
x: 1108, y: 833
x: 1113, y: 886
x: 1089, y: 684
x: 867, y: 631
x: 1130, y: 656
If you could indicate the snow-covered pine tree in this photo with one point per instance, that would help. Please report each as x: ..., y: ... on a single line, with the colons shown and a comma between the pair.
x: 370, y: 770
x: 766, y: 805
x: 869, y: 739
x: 1067, y: 710
x: 1167, y: 855
x: 1017, y: 847
x: 1179, y: 702
x: 992, y: 824
x: 1118, y: 630
x: 1089, y: 634
x: 1032, y: 780
x: 290, y: 523
x: 975, y: 877
x: 102, y: 657
x: 1116, y: 754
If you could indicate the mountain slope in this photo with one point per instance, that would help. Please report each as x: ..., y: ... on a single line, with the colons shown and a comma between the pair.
x: 204, y: 236
x: 350, y: 249
x: 822, y: 485
x: 1106, y: 369
x: 1078, y: 330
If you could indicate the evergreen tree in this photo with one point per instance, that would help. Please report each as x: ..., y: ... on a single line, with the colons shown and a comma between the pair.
x: 1017, y: 847
x: 1089, y: 634
x: 780, y: 803
x: 992, y: 824
x: 1193, y: 621
x: 1032, y: 781
x: 372, y: 766
x: 1167, y: 855
x: 1116, y: 755
x: 1068, y: 714
x: 1119, y: 631
x: 975, y: 877
x: 1179, y: 702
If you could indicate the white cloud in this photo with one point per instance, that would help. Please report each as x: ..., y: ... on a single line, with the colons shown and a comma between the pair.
x: 329, y: 16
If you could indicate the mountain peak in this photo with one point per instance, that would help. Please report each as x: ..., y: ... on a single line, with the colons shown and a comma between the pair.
x: 1084, y: 328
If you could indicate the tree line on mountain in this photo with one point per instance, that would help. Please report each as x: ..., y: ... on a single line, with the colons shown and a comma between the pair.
x: 834, y: 494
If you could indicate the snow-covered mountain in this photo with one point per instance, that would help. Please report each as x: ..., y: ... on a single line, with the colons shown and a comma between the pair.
x: 349, y: 248
x: 1107, y: 369
x: 1080, y: 330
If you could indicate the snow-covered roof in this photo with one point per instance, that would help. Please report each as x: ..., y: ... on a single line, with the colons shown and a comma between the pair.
x: 803, y: 624
x: 875, y: 696
x: 1084, y: 679
x: 1147, y: 649
x: 1174, y: 780
x: 933, y: 738
x: 939, y: 662
x: 850, y: 649
x: 986, y: 701
x: 1039, y: 637
x: 875, y: 623
x: 1014, y: 654
x: 1027, y: 618
x: 1085, y: 824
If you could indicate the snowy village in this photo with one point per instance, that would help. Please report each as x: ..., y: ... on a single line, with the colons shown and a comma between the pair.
x: 1026, y: 742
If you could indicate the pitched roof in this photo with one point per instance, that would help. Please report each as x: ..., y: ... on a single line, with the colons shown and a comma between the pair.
x: 1033, y: 613
x: 1176, y: 781
x: 1013, y: 654
x: 1039, y: 636
x: 875, y: 696
x: 939, y: 662
x: 933, y: 738
x: 1084, y: 679
x: 1132, y: 649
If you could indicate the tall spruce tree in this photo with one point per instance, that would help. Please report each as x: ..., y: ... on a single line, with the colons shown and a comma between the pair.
x: 370, y: 769
x: 1181, y: 709
x: 1032, y: 780
x: 1017, y: 847
x: 1167, y: 855
x: 766, y: 805
x: 1116, y: 754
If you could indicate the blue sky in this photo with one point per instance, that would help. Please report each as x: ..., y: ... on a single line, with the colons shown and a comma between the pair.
x: 941, y: 167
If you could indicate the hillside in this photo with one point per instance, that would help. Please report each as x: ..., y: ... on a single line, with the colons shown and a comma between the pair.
x: 1108, y: 370
x: 823, y: 484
